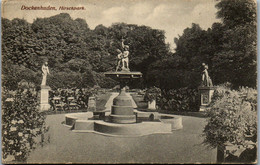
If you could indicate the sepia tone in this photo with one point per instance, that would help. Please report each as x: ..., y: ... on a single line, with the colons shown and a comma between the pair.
x: 119, y: 81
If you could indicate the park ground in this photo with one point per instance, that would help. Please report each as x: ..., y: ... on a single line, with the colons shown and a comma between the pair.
x: 182, y: 146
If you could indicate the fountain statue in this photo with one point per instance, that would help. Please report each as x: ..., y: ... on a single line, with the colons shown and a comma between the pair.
x: 122, y: 110
x: 123, y: 60
x: 121, y: 119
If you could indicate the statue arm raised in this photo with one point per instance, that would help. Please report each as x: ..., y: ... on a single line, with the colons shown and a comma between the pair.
x: 123, y: 45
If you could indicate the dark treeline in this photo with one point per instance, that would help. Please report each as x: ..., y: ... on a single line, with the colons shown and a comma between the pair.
x: 78, y: 56
x: 229, y: 48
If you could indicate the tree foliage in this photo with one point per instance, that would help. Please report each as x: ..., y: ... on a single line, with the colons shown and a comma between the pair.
x: 237, y: 56
x: 229, y: 49
x: 237, y: 12
x: 72, y: 48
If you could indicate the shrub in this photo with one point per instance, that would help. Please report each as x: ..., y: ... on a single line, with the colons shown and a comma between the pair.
x: 21, y: 123
x: 183, y: 99
x: 232, y: 117
x: 13, y: 74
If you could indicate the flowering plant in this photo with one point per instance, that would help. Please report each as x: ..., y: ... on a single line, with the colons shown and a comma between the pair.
x: 232, y: 117
x: 21, y: 124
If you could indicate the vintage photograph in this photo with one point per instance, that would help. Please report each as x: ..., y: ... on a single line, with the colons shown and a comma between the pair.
x: 129, y: 81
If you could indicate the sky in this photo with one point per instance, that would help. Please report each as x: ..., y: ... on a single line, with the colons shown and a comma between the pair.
x: 172, y: 16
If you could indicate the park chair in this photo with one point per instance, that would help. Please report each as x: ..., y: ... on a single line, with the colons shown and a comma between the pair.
x: 72, y: 103
x: 58, y: 103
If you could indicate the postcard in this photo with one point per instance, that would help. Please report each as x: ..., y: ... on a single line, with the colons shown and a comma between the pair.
x: 129, y: 81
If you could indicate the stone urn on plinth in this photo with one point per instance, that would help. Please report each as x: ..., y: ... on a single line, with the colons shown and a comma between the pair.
x: 152, y: 105
x: 122, y: 110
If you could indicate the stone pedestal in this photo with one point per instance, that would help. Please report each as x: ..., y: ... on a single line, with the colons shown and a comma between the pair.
x: 44, y: 104
x: 152, y: 104
x: 205, y: 96
x: 92, y: 104
x: 122, y: 110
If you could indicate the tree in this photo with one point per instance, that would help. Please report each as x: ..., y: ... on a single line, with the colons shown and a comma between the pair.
x: 182, y: 68
x: 19, y: 43
x: 237, y: 12
x: 70, y: 46
x: 236, y: 61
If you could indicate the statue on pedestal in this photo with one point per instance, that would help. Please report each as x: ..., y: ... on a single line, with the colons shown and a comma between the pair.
x: 206, y: 81
x: 206, y: 89
x: 45, y: 71
x: 44, y: 102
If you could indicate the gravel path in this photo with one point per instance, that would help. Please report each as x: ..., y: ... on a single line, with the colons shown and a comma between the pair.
x: 182, y: 146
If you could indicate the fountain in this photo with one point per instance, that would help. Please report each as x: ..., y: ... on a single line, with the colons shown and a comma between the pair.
x: 122, y: 110
x: 123, y: 119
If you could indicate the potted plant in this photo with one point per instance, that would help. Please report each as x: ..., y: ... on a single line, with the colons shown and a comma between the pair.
x: 92, y: 97
x: 151, y: 95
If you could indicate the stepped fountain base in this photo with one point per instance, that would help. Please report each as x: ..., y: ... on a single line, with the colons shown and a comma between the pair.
x: 123, y: 119
x: 84, y: 122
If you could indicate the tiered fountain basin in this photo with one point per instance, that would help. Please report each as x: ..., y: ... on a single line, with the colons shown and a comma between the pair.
x: 144, y: 125
x: 122, y: 119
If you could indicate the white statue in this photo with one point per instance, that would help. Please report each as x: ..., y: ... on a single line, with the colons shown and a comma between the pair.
x: 125, y: 59
x: 45, y: 71
x: 206, y: 80
x: 119, y: 58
